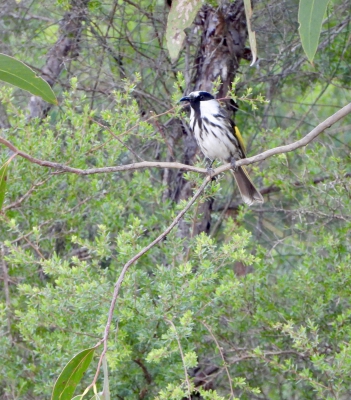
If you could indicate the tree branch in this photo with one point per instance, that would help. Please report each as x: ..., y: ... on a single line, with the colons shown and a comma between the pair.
x: 260, y: 157
x: 65, y: 48
x: 295, y: 145
x: 60, y: 168
x: 130, y: 263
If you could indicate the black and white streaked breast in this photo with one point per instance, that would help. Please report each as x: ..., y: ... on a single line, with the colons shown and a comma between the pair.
x: 213, y: 131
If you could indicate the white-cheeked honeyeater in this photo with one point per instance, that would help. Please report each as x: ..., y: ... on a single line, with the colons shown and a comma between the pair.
x: 220, y: 139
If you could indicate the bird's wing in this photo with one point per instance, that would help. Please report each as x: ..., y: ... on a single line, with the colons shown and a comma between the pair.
x: 239, y: 137
x: 235, y: 129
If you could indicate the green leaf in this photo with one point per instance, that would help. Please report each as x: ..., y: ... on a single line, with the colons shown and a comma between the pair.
x: 18, y: 74
x: 3, y: 179
x: 72, y: 374
x: 311, y: 13
x: 181, y: 16
x: 252, y: 34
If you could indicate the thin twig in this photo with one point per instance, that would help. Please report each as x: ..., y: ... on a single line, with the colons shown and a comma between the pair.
x: 292, y: 146
x: 182, y: 356
x: 130, y: 263
x: 18, y: 202
x: 25, y: 237
x: 222, y: 356
x: 61, y: 168
x: 146, y: 373
x: 221, y: 217
x: 116, y: 137
x: 6, y: 289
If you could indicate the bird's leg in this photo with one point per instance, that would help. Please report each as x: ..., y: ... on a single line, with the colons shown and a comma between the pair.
x: 209, y: 168
x: 233, y: 164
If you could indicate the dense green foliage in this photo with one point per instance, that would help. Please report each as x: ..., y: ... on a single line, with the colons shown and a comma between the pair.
x: 264, y: 300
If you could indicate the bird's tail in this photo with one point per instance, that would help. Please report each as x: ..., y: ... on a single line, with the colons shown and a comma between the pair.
x: 248, y: 191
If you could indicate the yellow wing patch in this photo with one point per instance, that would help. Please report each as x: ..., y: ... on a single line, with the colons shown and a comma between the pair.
x: 240, y: 139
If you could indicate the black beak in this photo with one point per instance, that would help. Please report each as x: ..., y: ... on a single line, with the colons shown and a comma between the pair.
x: 186, y: 98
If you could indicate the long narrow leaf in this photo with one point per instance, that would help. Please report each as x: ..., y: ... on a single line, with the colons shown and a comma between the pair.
x: 252, y: 34
x: 180, y: 17
x: 3, y: 181
x: 71, y: 375
x: 311, y: 13
x: 18, y: 74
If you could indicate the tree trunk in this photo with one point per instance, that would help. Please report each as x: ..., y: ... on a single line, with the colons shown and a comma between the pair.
x: 221, y: 48
x: 65, y: 49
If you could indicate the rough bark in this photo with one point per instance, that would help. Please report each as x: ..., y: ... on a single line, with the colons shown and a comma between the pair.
x: 64, y: 50
x: 222, y: 45
x: 221, y: 48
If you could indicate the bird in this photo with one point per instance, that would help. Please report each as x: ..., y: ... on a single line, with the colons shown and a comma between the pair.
x: 219, y: 139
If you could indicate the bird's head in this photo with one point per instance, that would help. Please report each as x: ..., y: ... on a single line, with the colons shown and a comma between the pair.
x: 197, y: 96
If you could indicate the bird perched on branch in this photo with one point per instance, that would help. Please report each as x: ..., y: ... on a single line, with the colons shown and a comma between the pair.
x: 219, y: 138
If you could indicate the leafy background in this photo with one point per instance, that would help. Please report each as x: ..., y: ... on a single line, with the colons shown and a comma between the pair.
x: 267, y: 291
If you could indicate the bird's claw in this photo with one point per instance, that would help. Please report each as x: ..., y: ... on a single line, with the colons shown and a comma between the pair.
x: 233, y: 164
x: 211, y: 172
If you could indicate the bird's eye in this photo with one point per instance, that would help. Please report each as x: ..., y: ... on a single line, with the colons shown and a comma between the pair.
x: 201, y: 97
